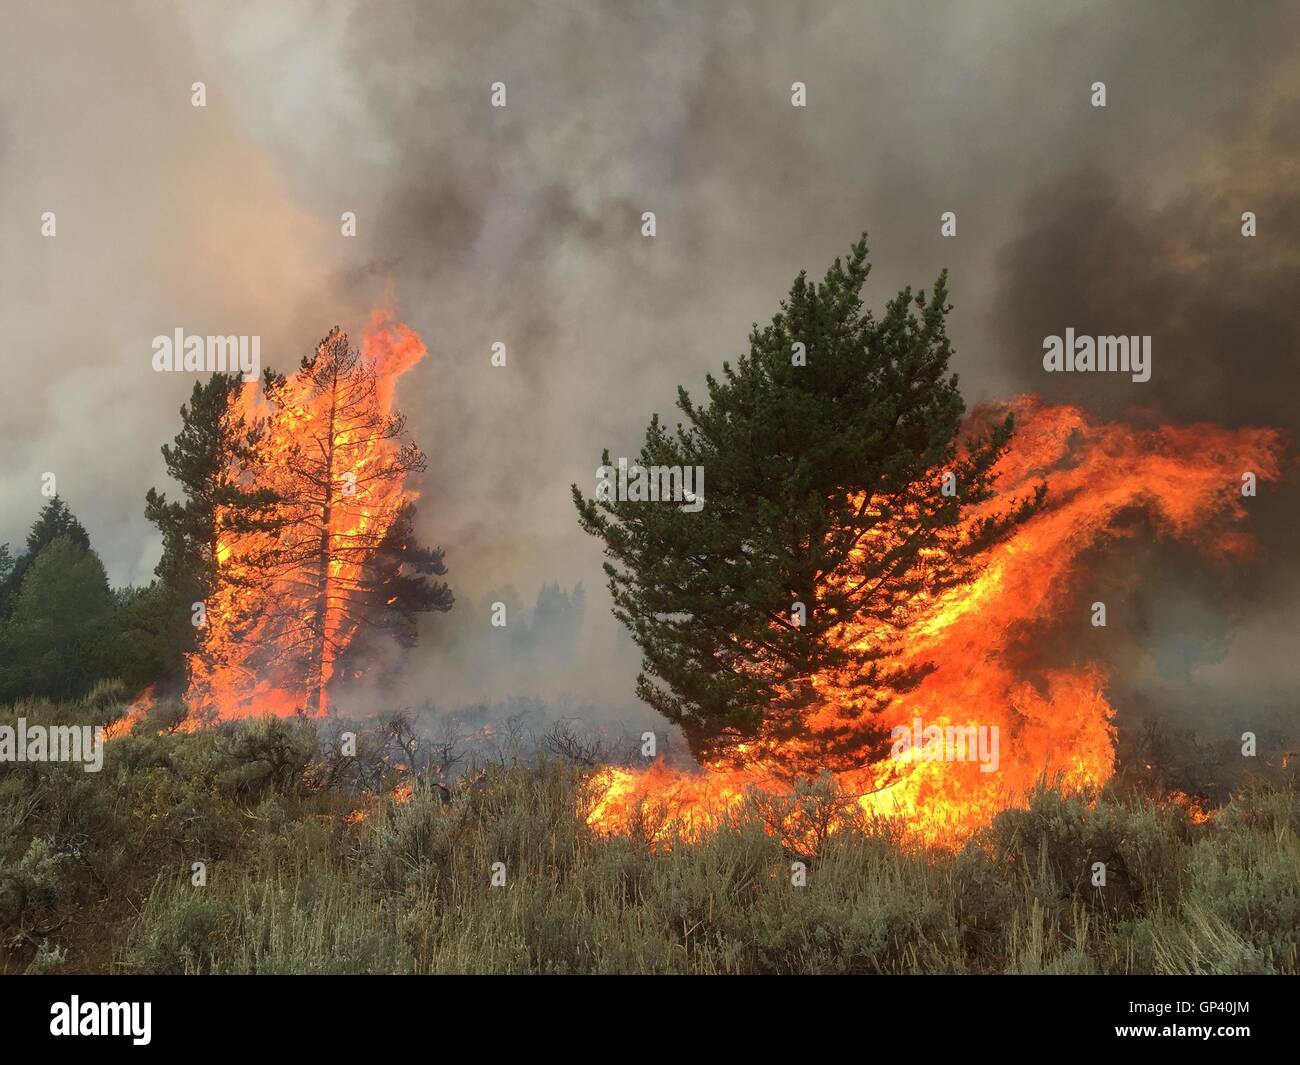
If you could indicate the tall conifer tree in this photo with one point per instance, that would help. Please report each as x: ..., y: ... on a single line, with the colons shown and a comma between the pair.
x: 210, y: 458
x: 823, y: 450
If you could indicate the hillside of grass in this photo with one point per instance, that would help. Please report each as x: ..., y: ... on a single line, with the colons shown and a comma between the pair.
x: 315, y: 863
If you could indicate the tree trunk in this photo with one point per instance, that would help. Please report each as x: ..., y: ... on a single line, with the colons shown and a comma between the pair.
x: 316, y: 700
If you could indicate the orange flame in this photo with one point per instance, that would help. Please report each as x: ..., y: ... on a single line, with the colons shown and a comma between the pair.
x: 251, y: 613
x: 1054, y: 722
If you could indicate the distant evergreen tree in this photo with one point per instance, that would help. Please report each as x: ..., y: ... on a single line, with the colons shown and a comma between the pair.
x: 54, y: 643
x: 54, y: 520
x: 544, y: 633
x: 822, y: 489
x: 6, y: 581
x: 556, y: 620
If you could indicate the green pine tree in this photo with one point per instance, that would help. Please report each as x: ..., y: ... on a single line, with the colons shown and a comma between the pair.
x: 54, y: 520
x: 6, y: 581
x: 393, y: 590
x: 54, y: 644
x: 208, y: 458
x: 143, y: 647
x: 823, y: 488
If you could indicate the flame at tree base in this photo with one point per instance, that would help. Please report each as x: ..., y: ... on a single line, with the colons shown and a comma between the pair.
x: 1051, y: 724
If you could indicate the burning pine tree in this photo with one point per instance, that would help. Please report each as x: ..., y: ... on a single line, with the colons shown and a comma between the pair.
x: 208, y: 458
x: 925, y: 611
x: 838, y: 493
x: 314, y: 529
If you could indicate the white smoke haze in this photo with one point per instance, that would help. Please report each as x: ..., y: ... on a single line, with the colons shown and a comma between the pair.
x: 522, y: 225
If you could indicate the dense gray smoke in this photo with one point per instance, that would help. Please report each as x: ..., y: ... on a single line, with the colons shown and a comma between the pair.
x: 522, y: 225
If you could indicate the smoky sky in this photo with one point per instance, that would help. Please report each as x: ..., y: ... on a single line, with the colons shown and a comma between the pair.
x: 523, y: 225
